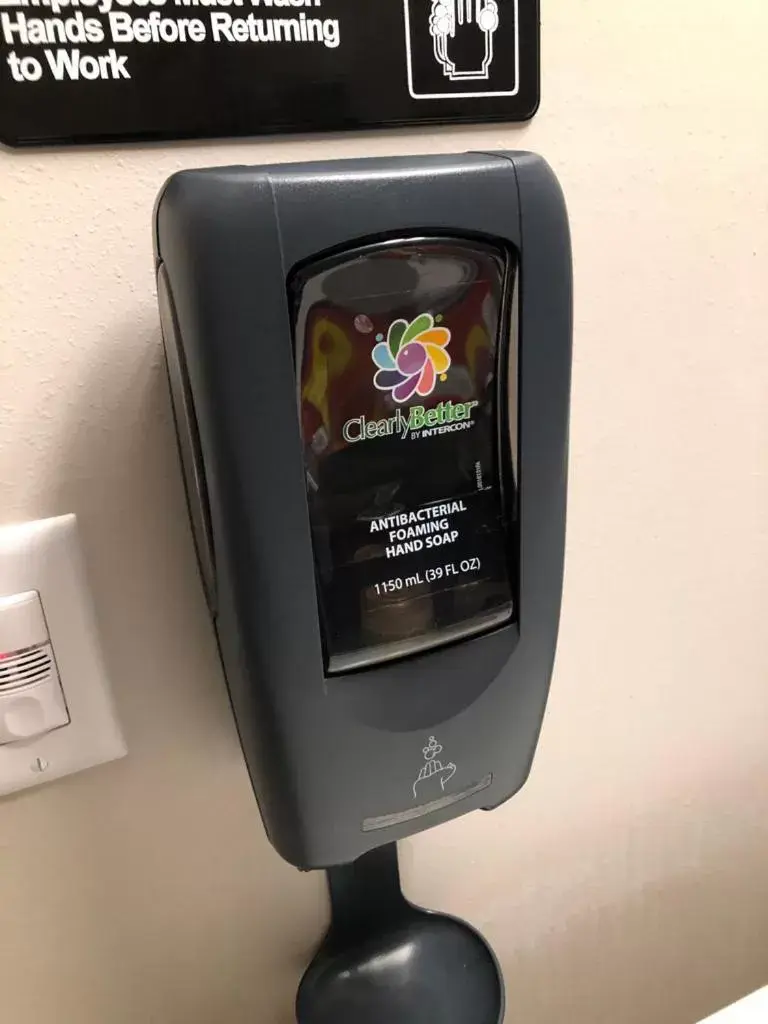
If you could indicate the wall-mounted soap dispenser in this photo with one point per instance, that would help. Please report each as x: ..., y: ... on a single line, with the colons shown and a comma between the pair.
x: 370, y: 365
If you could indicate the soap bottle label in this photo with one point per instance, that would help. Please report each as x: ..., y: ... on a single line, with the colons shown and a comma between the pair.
x: 402, y: 359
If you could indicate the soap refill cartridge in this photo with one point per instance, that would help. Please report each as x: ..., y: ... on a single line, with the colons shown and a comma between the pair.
x: 400, y: 397
x: 370, y: 364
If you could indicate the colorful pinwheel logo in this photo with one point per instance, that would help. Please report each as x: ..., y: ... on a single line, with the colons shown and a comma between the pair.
x: 412, y: 357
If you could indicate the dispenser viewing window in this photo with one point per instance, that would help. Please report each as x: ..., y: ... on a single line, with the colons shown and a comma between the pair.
x: 404, y: 363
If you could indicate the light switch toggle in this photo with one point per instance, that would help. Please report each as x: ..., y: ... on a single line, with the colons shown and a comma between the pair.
x: 31, y: 699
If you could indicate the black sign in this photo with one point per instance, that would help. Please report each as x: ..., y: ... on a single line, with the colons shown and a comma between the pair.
x: 111, y: 70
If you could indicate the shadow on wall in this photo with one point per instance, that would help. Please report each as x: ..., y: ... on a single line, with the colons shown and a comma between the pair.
x: 185, y: 892
x: 118, y: 470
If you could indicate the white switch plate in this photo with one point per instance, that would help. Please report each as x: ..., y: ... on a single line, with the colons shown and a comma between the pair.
x: 45, y: 556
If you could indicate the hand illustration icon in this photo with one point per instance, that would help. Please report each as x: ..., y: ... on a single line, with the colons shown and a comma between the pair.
x: 455, y: 25
x: 432, y: 772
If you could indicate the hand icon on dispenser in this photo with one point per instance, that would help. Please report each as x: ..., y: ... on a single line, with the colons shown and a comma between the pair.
x: 432, y: 771
x: 462, y: 34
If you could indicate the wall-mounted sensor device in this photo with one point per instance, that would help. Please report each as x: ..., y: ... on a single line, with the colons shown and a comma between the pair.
x: 56, y: 710
x: 370, y: 365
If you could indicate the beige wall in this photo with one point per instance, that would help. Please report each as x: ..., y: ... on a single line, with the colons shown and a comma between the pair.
x: 628, y: 883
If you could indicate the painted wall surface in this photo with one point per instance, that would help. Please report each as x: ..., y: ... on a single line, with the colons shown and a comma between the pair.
x: 628, y: 883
